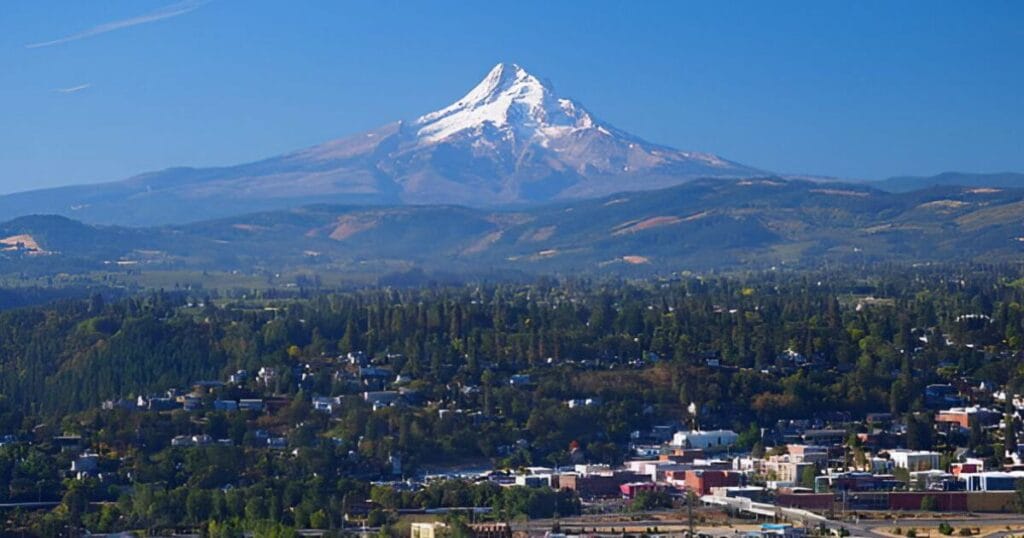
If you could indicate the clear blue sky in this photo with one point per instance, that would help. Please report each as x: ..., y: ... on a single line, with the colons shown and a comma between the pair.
x: 849, y: 89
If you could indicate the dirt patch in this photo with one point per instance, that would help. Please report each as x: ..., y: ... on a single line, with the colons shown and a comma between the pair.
x: 350, y: 225
x: 23, y: 242
x: 767, y: 182
x: 943, y: 204
x: 249, y: 227
x: 840, y: 192
x: 483, y: 243
x: 541, y: 234
x: 645, y: 224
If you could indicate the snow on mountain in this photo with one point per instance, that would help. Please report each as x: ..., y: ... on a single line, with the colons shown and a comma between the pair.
x: 510, y: 99
x: 511, y: 140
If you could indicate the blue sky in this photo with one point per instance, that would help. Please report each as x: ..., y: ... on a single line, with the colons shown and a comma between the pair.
x: 848, y: 89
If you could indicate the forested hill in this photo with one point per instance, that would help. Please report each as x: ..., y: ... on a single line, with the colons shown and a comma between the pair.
x: 702, y: 225
x: 72, y: 355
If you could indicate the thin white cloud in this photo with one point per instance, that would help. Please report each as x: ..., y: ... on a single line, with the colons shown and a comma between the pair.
x: 74, y: 89
x: 166, y: 12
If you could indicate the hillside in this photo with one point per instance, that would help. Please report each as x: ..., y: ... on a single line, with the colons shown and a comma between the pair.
x: 1005, y: 180
x: 705, y: 224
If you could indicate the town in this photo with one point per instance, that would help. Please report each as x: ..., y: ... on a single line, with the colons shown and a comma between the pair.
x: 697, y: 406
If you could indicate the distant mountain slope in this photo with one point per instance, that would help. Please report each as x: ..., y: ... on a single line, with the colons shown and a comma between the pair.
x: 1004, y: 180
x: 703, y: 224
x: 511, y: 140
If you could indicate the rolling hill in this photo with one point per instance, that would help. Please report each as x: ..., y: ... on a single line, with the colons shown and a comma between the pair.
x: 703, y: 224
x: 1004, y: 180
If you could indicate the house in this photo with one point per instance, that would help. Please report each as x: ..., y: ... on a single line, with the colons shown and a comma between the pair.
x: 590, y: 485
x: 966, y: 417
x: 630, y: 490
x: 808, y: 454
x: 374, y: 373
x: 250, y: 404
x: 786, y: 472
x: 326, y: 404
x: 826, y: 437
x: 411, y: 396
x: 381, y: 398
x: 584, y: 402
x: 682, y: 455
x: 225, y: 405
x: 701, y: 481
x: 972, y: 465
x: 121, y: 403
x: 939, y: 395
x: 161, y: 404
x: 190, y: 402
x: 880, y: 466
x: 239, y: 377
x: 85, y: 465
x: 519, y: 380
x: 533, y: 481
x: 67, y: 443
x: 706, y: 440
x: 191, y: 440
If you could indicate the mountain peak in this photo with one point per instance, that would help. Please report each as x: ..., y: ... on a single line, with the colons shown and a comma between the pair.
x: 511, y: 100
x: 503, y: 77
x: 511, y: 139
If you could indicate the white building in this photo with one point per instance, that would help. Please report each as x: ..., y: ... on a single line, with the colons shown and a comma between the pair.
x: 991, y: 480
x: 915, y: 460
x: 705, y: 440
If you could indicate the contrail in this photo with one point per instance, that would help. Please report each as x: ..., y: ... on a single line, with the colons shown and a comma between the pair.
x: 74, y: 89
x: 166, y: 12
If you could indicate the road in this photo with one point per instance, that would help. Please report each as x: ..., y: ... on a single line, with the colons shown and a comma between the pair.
x: 871, y: 528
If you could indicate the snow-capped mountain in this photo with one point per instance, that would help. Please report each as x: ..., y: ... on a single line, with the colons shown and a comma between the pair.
x: 511, y: 140
x: 511, y: 100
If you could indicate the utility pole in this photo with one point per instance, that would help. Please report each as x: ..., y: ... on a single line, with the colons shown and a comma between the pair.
x: 689, y: 511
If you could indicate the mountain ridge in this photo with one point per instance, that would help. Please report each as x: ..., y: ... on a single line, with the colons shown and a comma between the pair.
x: 963, y: 179
x: 511, y: 140
x: 706, y: 224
